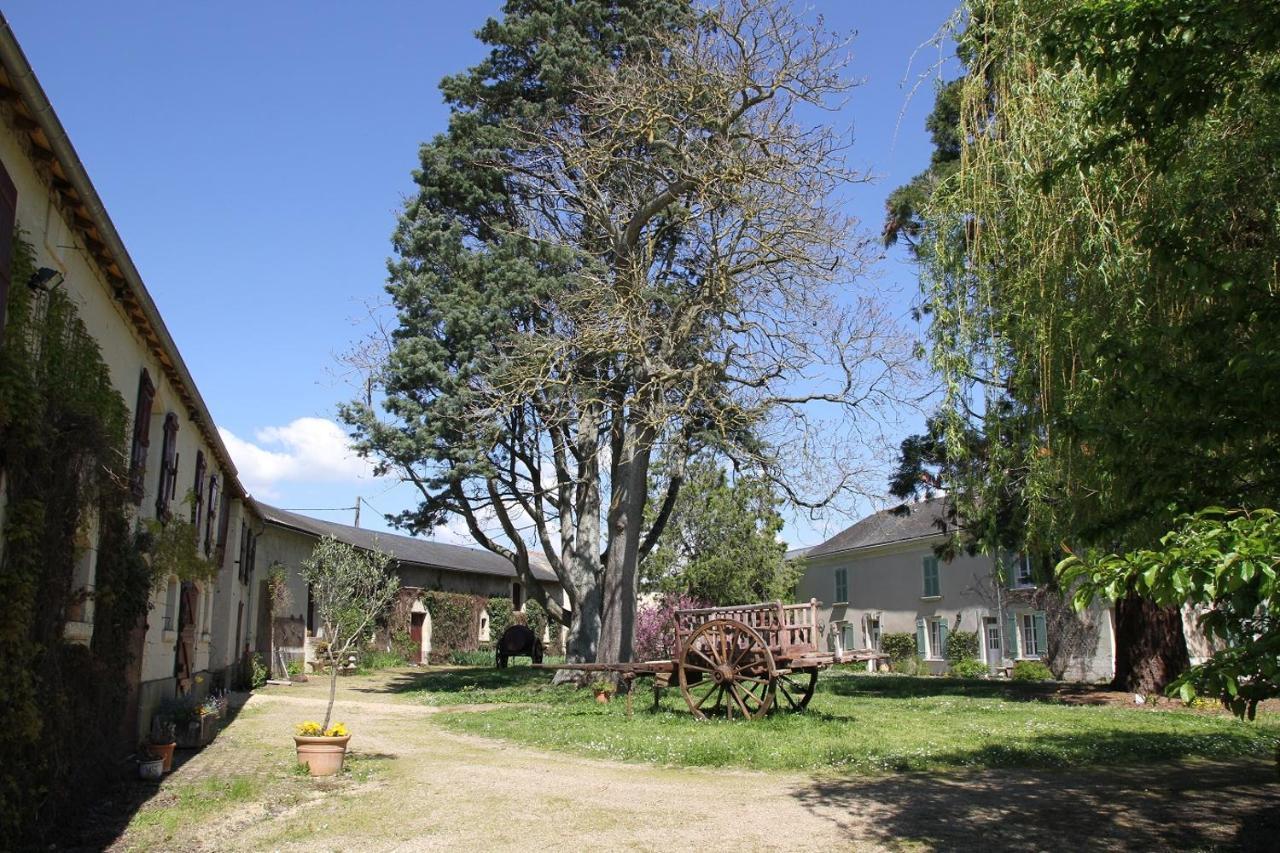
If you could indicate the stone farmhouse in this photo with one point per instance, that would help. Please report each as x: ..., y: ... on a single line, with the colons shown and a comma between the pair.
x: 288, y: 538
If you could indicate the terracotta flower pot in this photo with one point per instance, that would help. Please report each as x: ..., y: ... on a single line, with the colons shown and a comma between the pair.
x: 603, y: 697
x: 163, y: 751
x: 322, y: 755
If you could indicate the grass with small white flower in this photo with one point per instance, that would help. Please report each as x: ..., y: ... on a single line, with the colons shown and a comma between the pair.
x: 855, y: 723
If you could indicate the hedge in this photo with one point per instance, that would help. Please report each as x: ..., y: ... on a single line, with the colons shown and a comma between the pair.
x: 962, y: 645
x: 899, y: 646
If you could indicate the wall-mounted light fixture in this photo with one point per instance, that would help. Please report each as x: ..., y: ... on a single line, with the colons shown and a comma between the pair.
x: 45, y: 279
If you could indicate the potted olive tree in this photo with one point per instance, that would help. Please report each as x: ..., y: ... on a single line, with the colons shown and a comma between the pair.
x: 350, y: 589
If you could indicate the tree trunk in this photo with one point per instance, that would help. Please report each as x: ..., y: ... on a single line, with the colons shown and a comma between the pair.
x: 1151, y: 649
x: 584, y: 629
x: 333, y: 691
x: 626, y: 517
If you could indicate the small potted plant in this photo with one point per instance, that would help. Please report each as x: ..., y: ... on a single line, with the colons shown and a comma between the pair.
x: 603, y: 690
x: 351, y: 588
x: 321, y: 749
x: 210, y: 712
x: 183, y: 715
x: 150, y: 767
x: 161, y: 742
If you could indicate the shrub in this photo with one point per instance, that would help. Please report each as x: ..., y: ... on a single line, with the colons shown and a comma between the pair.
x: 474, y: 657
x: 962, y: 646
x: 899, y: 646
x: 909, y: 666
x: 1031, y: 670
x: 259, y: 676
x: 968, y: 668
x: 376, y: 659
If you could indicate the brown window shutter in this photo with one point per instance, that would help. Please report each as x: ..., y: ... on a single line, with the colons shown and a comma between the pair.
x: 141, y: 436
x: 213, y: 514
x: 8, y: 222
x: 168, y: 467
x: 197, y: 505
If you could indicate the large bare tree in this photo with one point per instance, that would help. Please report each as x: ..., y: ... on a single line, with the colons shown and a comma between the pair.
x: 680, y: 209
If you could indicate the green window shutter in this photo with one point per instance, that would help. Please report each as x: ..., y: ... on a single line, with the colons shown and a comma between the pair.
x: 922, y: 644
x: 942, y: 639
x: 1042, y: 636
x: 930, y: 576
x: 1011, y: 637
x: 842, y: 584
x: 1010, y: 564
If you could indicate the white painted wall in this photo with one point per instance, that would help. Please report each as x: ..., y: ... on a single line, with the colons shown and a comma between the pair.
x: 125, y: 353
x: 887, y: 583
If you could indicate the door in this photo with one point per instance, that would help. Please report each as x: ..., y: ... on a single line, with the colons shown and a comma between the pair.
x: 991, y: 641
x: 415, y: 634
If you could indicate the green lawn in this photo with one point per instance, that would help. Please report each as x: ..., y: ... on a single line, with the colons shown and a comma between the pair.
x: 861, y: 723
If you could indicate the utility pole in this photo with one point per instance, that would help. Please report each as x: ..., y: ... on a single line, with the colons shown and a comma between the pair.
x: 358, y: 510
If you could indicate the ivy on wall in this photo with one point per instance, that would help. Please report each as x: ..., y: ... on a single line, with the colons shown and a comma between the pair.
x: 62, y: 454
x: 455, y: 622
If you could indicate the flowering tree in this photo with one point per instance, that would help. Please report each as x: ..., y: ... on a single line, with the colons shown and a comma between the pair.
x: 350, y: 588
x: 655, y: 632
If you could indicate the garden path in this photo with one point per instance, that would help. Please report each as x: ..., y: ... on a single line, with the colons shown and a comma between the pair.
x: 416, y: 786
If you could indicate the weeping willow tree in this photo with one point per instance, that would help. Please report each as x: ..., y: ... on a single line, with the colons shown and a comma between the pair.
x: 1101, y: 270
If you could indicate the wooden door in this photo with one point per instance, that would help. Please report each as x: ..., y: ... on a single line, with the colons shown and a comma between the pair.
x: 415, y: 634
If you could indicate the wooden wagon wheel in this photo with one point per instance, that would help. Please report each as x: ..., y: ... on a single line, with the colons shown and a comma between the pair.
x: 796, y: 688
x: 725, y: 663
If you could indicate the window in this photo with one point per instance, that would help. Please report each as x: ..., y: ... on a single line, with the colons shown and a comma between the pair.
x: 931, y: 586
x: 842, y: 585
x: 1033, y: 637
x: 937, y: 638
x: 208, y: 611
x: 141, y: 436
x: 1023, y: 574
x: 993, y: 640
x: 873, y: 633
x: 213, y: 513
x: 168, y: 467
x: 197, y: 505
x: 171, y: 605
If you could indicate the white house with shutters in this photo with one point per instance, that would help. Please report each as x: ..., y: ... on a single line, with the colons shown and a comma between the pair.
x: 882, y: 575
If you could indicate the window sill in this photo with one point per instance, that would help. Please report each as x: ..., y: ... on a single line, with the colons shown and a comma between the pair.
x: 931, y: 598
x: 839, y: 604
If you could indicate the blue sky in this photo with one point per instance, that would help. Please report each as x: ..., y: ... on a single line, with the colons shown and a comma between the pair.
x: 254, y: 156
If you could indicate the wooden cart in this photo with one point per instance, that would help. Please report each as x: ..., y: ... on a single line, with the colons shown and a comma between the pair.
x: 740, y: 661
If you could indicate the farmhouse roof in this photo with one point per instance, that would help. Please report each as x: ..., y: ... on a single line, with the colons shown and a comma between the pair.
x: 408, y: 550
x: 901, y: 523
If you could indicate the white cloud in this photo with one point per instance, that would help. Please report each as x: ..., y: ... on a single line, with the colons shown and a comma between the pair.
x: 306, y: 450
